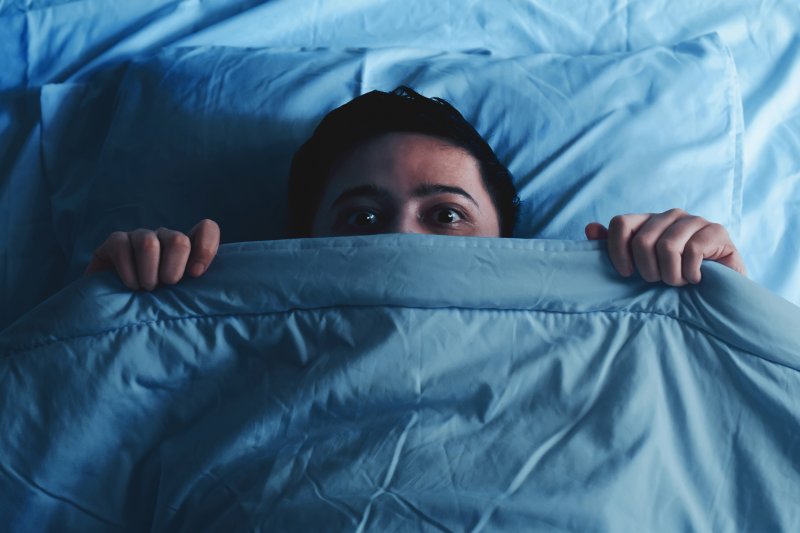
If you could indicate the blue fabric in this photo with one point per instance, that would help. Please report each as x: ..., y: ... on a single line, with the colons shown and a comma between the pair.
x: 219, y: 126
x: 196, y: 133
x: 50, y: 46
x: 294, y: 388
x: 404, y: 382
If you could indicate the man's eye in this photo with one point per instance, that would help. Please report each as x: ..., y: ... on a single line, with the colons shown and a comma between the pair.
x: 362, y: 219
x: 447, y: 216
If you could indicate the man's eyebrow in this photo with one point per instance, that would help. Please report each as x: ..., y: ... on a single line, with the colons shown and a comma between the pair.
x: 429, y: 189
x: 426, y: 189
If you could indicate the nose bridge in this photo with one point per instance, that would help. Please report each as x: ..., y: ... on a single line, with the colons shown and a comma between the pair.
x: 408, y: 221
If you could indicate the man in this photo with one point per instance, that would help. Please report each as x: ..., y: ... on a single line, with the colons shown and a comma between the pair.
x: 402, y: 163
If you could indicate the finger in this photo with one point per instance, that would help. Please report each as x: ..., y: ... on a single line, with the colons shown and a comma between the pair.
x: 115, y: 253
x: 595, y: 231
x: 671, y: 245
x: 175, y: 249
x: 734, y: 261
x: 621, y: 230
x: 146, y: 255
x: 643, y: 244
x: 205, y: 243
x: 714, y: 243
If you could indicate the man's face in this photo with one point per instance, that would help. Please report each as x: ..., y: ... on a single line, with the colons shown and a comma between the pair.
x: 406, y: 183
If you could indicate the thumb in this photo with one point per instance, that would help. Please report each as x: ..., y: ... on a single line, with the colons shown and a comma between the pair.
x: 732, y: 260
x: 595, y: 231
x: 205, y: 243
x: 99, y: 262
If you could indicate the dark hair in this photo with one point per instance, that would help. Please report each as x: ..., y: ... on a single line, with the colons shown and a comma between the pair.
x: 376, y: 113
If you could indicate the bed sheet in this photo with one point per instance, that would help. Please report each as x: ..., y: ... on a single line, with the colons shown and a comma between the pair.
x: 293, y: 389
x: 58, y: 42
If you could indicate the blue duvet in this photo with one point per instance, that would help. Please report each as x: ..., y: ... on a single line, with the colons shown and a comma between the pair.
x: 404, y: 382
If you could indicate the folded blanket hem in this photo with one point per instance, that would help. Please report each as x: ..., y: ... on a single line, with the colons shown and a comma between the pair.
x: 20, y: 349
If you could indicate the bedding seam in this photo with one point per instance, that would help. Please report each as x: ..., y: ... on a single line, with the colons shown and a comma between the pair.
x: 549, y: 245
x: 18, y: 350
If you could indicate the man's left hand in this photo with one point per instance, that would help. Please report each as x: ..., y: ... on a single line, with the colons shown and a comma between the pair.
x: 666, y: 247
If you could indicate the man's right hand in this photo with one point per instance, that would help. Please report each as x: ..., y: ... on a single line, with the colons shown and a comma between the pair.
x: 144, y: 258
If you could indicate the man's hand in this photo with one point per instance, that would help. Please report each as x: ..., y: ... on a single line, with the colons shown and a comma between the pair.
x: 666, y: 247
x: 144, y: 258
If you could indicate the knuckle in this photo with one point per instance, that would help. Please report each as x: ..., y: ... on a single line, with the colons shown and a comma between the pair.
x: 178, y: 241
x: 149, y: 242
x: 668, y: 246
x: 675, y: 211
x: 717, y: 228
x: 693, y: 249
x: 642, y: 241
x: 117, y: 237
x: 693, y: 222
x: 617, y: 223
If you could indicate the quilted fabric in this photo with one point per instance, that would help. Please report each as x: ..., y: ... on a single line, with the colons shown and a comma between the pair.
x: 404, y: 382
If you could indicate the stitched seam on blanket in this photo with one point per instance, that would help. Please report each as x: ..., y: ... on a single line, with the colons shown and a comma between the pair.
x: 21, y: 349
x: 530, y: 245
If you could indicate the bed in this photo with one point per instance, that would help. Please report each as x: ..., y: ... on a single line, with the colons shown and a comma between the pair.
x: 398, y: 382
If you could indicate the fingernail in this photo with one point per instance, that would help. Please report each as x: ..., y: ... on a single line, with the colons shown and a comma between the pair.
x: 197, y: 268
